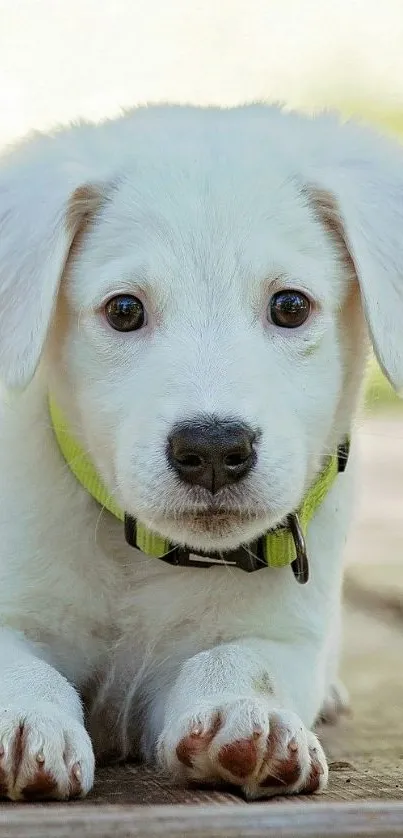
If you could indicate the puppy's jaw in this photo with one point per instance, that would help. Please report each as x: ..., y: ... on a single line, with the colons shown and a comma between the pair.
x: 215, y: 525
x: 215, y: 532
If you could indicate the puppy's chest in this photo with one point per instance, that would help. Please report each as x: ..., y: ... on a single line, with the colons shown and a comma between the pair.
x: 164, y: 607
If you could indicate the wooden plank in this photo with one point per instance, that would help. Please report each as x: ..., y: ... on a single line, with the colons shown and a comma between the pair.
x: 253, y: 821
x: 139, y: 785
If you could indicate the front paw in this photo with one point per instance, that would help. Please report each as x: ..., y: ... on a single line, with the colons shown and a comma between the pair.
x: 43, y: 754
x: 246, y: 743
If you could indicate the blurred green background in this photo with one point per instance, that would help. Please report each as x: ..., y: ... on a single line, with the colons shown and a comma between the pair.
x: 379, y: 394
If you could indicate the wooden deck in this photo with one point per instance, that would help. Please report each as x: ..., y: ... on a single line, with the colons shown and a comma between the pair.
x: 365, y: 751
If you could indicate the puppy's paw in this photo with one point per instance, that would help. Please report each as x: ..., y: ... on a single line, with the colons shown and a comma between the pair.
x: 336, y: 704
x: 44, y: 754
x: 245, y: 743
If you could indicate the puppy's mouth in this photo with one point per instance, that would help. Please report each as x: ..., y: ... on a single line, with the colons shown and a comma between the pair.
x: 215, y: 521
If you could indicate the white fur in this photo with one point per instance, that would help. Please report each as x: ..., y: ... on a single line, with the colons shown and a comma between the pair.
x: 204, y: 214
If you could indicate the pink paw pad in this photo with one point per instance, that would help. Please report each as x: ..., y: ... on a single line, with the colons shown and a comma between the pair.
x: 196, y: 742
x: 286, y: 771
x: 239, y: 758
x: 316, y: 773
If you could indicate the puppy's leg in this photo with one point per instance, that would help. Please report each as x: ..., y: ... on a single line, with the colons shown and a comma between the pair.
x: 336, y: 702
x: 45, y: 751
x: 229, y: 716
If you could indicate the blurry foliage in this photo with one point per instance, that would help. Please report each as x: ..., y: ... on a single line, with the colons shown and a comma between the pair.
x: 379, y: 394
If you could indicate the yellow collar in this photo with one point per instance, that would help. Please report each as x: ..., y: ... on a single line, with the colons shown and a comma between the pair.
x: 280, y: 547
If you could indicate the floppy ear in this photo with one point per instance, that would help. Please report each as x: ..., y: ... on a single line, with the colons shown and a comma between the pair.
x: 360, y: 201
x: 42, y: 207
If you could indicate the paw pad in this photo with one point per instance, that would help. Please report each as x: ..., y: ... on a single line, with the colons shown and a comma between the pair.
x: 316, y: 773
x: 197, y: 741
x: 239, y: 758
x: 286, y: 771
x: 41, y: 787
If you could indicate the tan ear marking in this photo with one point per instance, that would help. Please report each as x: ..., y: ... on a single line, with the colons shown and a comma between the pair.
x: 327, y: 212
x: 84, y: 203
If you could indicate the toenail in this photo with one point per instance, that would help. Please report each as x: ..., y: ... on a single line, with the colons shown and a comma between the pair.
x: 77, y: 771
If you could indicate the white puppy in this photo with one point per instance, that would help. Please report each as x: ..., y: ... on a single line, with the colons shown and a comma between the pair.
x: 192, y: 289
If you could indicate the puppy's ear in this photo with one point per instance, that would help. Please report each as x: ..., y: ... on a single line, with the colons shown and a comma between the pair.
x: 42, y: 208
x: 360, y: 202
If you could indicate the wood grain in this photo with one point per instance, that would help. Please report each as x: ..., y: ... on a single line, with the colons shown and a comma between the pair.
x: 253, y: 821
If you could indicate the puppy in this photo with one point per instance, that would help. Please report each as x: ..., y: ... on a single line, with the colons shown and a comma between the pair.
x: 185, y: 298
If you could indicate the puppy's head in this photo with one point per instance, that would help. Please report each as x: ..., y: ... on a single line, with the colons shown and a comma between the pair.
x: 197, y: 285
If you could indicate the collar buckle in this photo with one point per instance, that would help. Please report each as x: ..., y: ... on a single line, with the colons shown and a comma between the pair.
x: 248, y: 557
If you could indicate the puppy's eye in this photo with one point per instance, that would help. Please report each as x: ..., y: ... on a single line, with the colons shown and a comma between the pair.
x: 289, y: 309
x: 125, y: 313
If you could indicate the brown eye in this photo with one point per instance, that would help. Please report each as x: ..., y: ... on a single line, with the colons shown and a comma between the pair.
x: 289, y: 309
x: 125, y: 313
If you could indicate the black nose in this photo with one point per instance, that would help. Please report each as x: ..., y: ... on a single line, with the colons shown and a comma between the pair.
x: 212, y: 453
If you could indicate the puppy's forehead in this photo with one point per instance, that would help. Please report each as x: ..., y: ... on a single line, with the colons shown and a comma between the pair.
x: 207, y: 220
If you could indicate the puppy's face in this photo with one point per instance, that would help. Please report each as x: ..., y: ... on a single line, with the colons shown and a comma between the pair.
x: 203, y: 348
x: 205, y: 302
